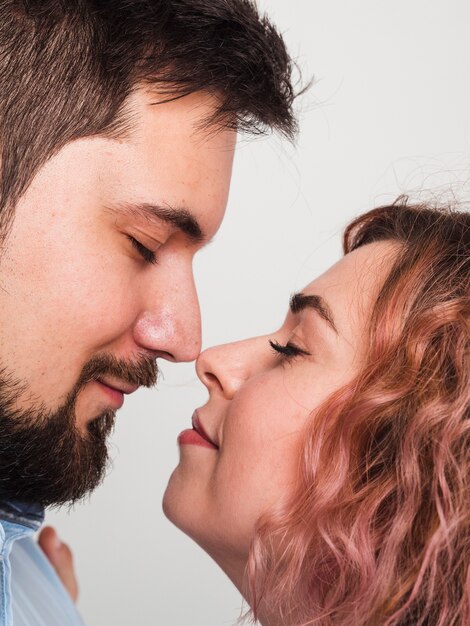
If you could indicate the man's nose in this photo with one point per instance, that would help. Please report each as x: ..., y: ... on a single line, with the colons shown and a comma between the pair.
x: 169, y: 325
x: 224, y: 369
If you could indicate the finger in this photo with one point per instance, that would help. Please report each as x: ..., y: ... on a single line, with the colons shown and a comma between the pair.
x: 61, y: 558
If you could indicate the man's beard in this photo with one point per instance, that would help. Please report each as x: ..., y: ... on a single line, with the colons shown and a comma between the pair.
x: 44, y: 458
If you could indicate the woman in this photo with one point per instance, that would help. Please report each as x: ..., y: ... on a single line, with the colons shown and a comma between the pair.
x: 329, y: 473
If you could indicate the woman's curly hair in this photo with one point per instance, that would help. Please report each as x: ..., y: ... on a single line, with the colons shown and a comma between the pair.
x: 377, y: 532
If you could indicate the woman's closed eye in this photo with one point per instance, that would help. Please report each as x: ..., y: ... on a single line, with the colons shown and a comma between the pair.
x: 148, y: 255
x: 289, y: 350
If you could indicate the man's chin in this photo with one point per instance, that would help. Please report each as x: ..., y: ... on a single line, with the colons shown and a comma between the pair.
x: 54, y: 456
x: 103, y: 422
x: 49, y: 460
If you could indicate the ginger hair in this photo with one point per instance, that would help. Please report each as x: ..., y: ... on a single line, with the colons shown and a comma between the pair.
x: 377, y: 531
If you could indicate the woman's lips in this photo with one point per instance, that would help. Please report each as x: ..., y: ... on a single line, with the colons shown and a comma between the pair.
x: 191, y: 437
x: 196, y: 436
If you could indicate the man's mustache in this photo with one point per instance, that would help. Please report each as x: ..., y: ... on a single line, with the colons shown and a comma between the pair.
x: 143, y: 373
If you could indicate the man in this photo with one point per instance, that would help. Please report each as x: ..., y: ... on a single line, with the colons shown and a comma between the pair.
x: 118, y: 124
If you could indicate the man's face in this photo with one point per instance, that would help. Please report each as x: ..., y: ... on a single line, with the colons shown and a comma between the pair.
x: 96, y: 274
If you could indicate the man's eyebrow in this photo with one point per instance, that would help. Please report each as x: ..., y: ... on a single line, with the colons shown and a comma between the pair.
x: 300, y: 301
x: 179, y: 217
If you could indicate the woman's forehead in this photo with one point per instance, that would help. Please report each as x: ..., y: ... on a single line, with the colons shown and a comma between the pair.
x: 350, y: 287
x: 366, y: 266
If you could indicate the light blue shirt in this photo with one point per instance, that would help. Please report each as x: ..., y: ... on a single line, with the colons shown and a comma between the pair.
x: 31, y: 594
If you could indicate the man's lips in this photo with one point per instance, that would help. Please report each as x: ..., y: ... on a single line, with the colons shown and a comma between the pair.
x: 118, y: 385
x: 197, y: 435
x: 115, y: 390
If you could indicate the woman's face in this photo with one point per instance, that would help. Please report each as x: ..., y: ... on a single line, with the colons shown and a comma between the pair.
x: 260, y: 400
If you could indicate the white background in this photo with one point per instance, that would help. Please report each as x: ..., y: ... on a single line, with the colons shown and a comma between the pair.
x: 389, y: 113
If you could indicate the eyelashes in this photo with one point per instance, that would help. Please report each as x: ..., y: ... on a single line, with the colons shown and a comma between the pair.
x: 288, y: 351
x: 145, y: 253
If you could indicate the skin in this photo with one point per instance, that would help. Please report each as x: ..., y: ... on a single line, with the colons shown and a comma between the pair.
x: 259, y: 403
x: 73, y: 286
x: 60, y: 556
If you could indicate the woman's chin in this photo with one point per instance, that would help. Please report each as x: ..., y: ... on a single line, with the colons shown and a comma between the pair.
x: 183, y: 507
x: 195, y: 520
x: 171, y: 503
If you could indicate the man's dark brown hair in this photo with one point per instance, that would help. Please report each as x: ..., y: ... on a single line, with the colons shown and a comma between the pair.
x: 67, y: 67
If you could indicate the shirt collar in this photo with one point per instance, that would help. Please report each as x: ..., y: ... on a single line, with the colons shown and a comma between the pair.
x: 30, y: 515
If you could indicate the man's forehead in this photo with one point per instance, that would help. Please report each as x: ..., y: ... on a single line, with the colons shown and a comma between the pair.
x: 192, y: 112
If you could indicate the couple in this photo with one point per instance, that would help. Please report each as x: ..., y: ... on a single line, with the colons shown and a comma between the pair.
x: 328, y: 472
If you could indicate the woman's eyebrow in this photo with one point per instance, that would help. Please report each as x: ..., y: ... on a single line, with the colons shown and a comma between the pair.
x: 301, y: 301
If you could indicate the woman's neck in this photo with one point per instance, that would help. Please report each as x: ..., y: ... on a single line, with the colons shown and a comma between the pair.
x: 234, y: 566
x: 235, y: 569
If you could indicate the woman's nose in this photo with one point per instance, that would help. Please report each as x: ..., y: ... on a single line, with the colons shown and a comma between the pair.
x: 224, y: 369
